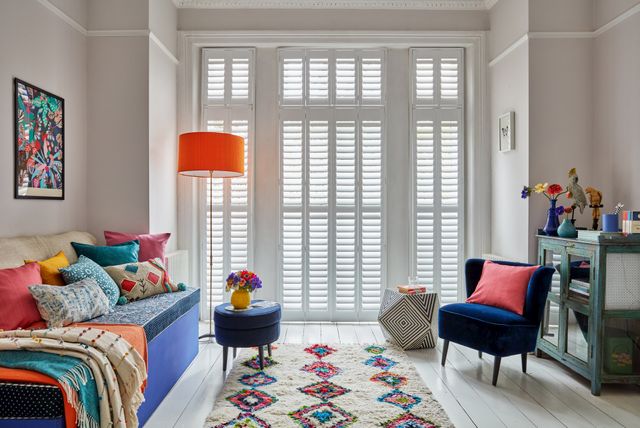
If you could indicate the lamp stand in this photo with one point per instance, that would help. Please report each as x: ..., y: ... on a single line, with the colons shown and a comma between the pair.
x: 210, y: 215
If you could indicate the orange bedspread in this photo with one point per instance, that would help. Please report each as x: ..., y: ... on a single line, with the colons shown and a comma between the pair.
x: 133, y: 334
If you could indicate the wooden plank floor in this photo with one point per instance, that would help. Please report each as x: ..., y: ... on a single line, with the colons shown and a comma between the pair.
x: 547, y: 396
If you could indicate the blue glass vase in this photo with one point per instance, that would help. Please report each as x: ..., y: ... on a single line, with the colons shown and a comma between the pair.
x: 551, y: 228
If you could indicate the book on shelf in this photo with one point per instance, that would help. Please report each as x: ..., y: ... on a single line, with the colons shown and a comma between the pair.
x: 412, y: 289
x: 580, y: 298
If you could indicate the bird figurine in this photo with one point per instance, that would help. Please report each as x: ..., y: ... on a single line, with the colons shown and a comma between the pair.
x: 575, y: 191
x: 595, y: 202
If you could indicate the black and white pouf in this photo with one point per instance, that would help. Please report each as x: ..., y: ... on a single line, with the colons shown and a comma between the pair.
x: 409, y: 320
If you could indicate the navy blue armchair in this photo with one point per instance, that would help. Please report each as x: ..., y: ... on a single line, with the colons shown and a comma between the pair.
x: 492, y: 330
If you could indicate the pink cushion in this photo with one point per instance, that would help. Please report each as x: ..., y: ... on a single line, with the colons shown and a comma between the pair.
x: 151, y: 245
x: 503, y: 286
x: 18, y: 308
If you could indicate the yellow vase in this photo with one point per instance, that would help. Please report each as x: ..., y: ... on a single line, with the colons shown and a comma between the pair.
x: 241, y: 299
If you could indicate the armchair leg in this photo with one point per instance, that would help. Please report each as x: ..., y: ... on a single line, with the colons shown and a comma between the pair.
x: 496, y: 370
x: 479, y: 354
x: 445, y: 349
x: 524, y: 362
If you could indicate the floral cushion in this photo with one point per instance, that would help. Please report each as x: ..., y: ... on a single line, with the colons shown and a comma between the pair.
x: 76, y: 302
x: 141, y: 280
x: 87, y: 268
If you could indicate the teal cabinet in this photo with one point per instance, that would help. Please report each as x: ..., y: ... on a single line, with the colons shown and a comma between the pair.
x: 591, y: 322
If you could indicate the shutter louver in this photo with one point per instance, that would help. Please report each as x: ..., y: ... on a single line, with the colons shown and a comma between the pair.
x: 371, y: 162
x: 215, y: 80
x: 437, y: 151
x: 318, y: 78
x: 318, y: 163
x: 318, y: 260
x: 371, y: 80
x: 346, y: 80
x: 292, y: 80
x: 292, y: 259
x: 240, y: 79
x: 346, y: 268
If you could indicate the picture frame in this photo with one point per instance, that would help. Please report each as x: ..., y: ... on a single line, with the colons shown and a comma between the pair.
x: 39, y: 142
x: 506, y: 132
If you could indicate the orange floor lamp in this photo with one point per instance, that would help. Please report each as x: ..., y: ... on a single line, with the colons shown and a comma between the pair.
x: 210, y: 155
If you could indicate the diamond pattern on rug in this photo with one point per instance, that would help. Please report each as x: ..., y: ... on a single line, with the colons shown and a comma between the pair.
x: 400, y: 399
x: 389, y: 379
x: 322, y: 369
x: 380, y: 362
x: 250, y: 400
x: 320, y: 350
x: 257, y: 379
x: 375, y: 349
x: 408, y: 420
x: 245, y: 420
x: 254, y: 363
x: 323, y: 415
x: 324, y: 390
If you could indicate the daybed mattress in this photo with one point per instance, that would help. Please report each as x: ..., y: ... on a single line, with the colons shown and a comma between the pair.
x: 154, y: 314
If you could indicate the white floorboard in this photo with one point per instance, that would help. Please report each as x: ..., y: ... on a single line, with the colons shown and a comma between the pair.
x: 548, y: 395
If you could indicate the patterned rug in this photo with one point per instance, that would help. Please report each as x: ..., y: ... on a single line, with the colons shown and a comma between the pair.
x: 326, y: 386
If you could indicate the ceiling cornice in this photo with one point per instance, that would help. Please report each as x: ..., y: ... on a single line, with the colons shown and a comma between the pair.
x: 337, y: 4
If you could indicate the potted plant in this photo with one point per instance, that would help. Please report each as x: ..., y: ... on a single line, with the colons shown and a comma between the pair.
x: 242, y: 282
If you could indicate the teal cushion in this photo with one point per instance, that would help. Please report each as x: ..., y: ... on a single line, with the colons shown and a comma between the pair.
x: 126, y: 252
x: 87, y: 268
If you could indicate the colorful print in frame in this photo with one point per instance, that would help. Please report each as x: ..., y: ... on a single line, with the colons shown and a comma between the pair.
x: 39, y: 143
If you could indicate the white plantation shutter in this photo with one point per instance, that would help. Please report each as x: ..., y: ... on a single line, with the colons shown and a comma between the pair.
x: 437, y: 140
x: 331, y: 183
x: 228, y: 107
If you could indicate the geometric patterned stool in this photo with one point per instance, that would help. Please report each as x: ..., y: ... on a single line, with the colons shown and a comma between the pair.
x: 409, y: 320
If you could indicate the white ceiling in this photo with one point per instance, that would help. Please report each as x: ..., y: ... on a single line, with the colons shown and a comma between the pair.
x: 338, y: 4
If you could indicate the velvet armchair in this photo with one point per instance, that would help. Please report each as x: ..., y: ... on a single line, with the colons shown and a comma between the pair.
x: 493, y: 330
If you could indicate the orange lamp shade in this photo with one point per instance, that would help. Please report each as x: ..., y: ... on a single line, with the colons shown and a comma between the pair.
x: 211, y: 154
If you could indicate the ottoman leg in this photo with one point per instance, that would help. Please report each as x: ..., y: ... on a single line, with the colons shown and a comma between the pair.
x: 234, y: 352
x: 269, y: 349
x: 261, y: 356
x: 225, y: 352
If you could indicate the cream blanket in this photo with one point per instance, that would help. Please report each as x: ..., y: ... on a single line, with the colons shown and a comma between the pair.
x: 118, y: 369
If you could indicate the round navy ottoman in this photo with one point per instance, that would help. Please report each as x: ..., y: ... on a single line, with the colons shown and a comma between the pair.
x: 258, y: 326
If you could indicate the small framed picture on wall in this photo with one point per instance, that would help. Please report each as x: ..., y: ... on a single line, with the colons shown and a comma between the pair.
x: 506, y: 132
x: 39, y: 143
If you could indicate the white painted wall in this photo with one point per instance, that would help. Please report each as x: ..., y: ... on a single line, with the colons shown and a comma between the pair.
x: 616, y: 128
x: 53, y: 56
x: 331, y: 20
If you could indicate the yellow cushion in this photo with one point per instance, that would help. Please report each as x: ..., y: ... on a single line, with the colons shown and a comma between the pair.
x: 49, y: 268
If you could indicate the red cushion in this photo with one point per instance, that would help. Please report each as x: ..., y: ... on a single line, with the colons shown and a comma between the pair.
x: 151, y: 245
x: 503, y: 286
x: 18, y: 308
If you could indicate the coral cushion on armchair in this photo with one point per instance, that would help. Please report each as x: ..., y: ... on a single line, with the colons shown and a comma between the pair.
x: 503, y: 286
x: 18, y: 309
x: 152, y: 246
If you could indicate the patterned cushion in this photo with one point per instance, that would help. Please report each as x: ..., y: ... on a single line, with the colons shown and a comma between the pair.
x: 30, y: 401
x: 77, y: 302
x: 49, y: 268
x: 141, y: 280
x: 125, y: 252
x: 86, y: 268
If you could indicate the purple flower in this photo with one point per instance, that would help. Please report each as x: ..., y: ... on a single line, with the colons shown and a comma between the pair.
x: 560, y: 210
x: 526, y: 192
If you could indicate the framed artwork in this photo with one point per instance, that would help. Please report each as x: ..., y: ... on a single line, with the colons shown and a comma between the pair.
x: 506, y: 131
x: 39, y: 143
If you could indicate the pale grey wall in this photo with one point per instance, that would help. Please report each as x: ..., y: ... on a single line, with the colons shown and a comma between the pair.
x: 561, y: 15
x: 560, y: 116
x: 606, y: 10
x: 616, y: 125
x: 331, y: 20
x: 118, y: 164
x: 163, y: 211
x: 52, y: 55
x: 78, y: 10
x: 508, y: 20
x: 118, y: 14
